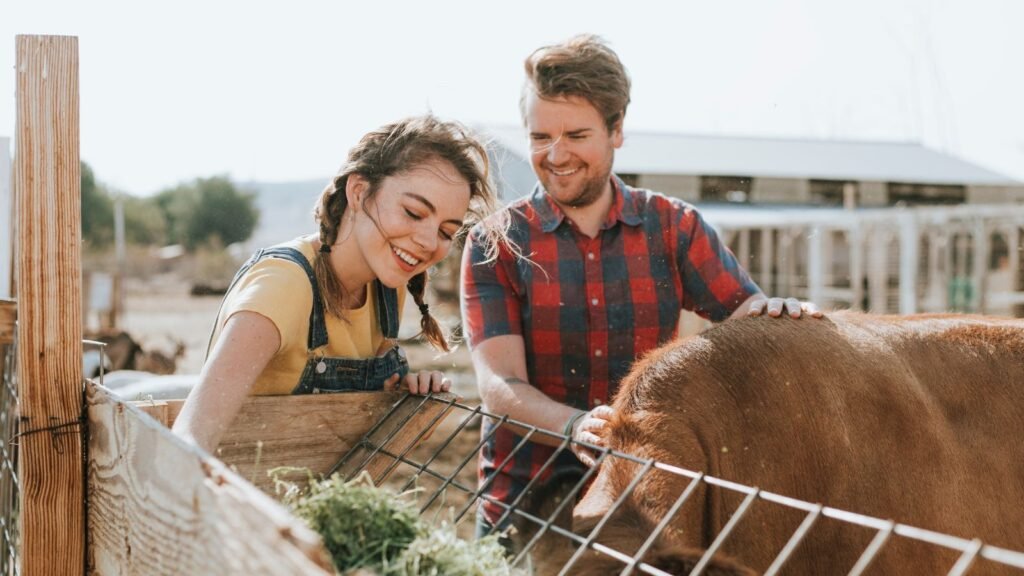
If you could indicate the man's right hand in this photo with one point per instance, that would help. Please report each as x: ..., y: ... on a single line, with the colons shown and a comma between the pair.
x: 591, y: 429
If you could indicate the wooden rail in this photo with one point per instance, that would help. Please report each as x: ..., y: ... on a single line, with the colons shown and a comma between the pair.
x: 310, y: 431
x: 8, y: 320
x: 8, y: 317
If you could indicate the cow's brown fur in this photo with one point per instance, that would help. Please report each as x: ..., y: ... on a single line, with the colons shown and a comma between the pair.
x: 919, y: 419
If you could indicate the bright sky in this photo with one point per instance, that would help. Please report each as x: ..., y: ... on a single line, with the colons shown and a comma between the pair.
x: 176, y: 90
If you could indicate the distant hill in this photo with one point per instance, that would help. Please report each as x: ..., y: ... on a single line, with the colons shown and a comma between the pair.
x: 286, y: 209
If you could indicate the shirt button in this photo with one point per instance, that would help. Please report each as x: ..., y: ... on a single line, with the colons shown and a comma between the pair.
x: 598, y: 352
x: 594, y: 301
x: 590, y: 255
x: 597, y: 402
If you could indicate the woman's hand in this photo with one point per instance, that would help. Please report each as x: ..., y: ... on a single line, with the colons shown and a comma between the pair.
x: 422, y: 382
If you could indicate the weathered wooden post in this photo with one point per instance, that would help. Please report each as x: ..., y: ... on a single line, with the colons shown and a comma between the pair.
x: 49, y: 292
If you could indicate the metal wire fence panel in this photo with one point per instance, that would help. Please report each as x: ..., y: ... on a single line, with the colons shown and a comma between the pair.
x: 439, y: 464
x: 9, y: 490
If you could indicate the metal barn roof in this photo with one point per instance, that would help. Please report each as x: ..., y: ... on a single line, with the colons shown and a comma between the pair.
x: 665, y: 153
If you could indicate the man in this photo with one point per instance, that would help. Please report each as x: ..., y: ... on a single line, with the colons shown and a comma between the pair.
x: 602, y: 273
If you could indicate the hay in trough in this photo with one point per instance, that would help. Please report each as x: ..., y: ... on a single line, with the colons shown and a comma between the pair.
x: 373, y: 531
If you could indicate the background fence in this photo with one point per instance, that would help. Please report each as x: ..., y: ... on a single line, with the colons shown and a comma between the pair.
x: 9, y: 490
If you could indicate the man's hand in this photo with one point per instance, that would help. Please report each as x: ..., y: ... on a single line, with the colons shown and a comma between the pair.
x: 590, y: 429
x: 776, y: 306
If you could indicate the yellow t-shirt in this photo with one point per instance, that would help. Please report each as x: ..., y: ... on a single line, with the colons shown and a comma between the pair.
x: 280, y: 291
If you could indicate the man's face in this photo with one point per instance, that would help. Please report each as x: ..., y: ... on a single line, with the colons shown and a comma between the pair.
x: 571, y: 149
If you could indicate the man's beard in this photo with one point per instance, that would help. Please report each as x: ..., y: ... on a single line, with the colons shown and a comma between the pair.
x: 589, y: 193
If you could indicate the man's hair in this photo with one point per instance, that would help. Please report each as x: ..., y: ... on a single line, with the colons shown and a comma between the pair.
x: 582, y: 66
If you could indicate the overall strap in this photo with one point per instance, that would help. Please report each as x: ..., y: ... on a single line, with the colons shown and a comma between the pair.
x: 387, y: 309
x: 317, y: 322
x: 317, y: 325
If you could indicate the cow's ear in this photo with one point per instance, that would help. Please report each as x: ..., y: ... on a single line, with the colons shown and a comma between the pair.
x: 594, y: 504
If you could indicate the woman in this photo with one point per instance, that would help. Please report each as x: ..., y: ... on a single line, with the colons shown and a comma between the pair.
x: 320, y: 313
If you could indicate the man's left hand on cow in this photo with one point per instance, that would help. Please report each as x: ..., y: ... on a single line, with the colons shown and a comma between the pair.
x: 759, y: 304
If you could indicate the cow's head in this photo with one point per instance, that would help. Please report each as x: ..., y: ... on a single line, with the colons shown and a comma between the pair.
x: 625, y: 531
x: 631, y: 524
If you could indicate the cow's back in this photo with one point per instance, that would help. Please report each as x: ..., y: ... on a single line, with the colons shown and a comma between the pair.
x: 919, y: 419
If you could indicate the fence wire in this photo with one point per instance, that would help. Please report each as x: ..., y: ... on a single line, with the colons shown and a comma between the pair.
x: 440, y: 462
x: 9, y: 489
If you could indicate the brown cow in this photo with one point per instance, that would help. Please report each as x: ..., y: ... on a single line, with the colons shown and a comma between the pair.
x: 918, y: 419
x: 550, y: 554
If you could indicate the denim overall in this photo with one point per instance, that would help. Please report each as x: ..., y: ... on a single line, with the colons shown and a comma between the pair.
x: 324, y: 374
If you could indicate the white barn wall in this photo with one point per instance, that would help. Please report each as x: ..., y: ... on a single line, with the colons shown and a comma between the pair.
x: 775, y: 190
x: 872, y: 194
x: 679, y: 186
x: 994, y: 194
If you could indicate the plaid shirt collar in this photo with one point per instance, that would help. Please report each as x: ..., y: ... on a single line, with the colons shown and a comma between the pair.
x: 624, y: 207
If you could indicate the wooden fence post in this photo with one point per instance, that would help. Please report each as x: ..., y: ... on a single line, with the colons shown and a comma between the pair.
x: 47, y: 183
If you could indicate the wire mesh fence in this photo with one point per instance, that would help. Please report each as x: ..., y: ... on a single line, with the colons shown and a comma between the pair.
x: 9, y: 489
x: 440, y: 459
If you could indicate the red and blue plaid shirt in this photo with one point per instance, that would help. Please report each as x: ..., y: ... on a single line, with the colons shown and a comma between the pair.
x: 587, y: 308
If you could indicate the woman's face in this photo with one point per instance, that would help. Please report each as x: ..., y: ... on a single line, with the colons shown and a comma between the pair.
x: 408, y: 225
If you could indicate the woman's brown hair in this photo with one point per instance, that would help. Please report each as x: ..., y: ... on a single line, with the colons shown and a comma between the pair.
x: 395, y: 149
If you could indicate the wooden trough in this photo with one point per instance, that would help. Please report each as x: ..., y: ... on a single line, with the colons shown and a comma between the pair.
x: 158, y: 505
x: 311, y: 432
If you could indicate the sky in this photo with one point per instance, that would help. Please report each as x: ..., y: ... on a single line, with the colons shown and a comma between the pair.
x: 268, y: 92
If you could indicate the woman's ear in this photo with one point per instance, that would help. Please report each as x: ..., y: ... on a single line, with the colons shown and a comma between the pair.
x: 355, y: 189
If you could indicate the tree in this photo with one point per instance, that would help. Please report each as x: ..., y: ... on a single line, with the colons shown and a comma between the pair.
x: 177, y: 206
x: 143, y: 221
x: 97, y: 211
x: 224, y: 212
x: 209, y: 209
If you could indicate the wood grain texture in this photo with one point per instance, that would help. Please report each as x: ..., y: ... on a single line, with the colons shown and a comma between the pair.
x: 158, y: 505
x: 312, y: 431
x: 8, y: 317
x: 47, y: 194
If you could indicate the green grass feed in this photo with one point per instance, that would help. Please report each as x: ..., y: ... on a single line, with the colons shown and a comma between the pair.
x: 369, y: 530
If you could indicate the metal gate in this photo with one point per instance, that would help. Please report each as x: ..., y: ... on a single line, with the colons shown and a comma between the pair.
x: 440, y: 462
